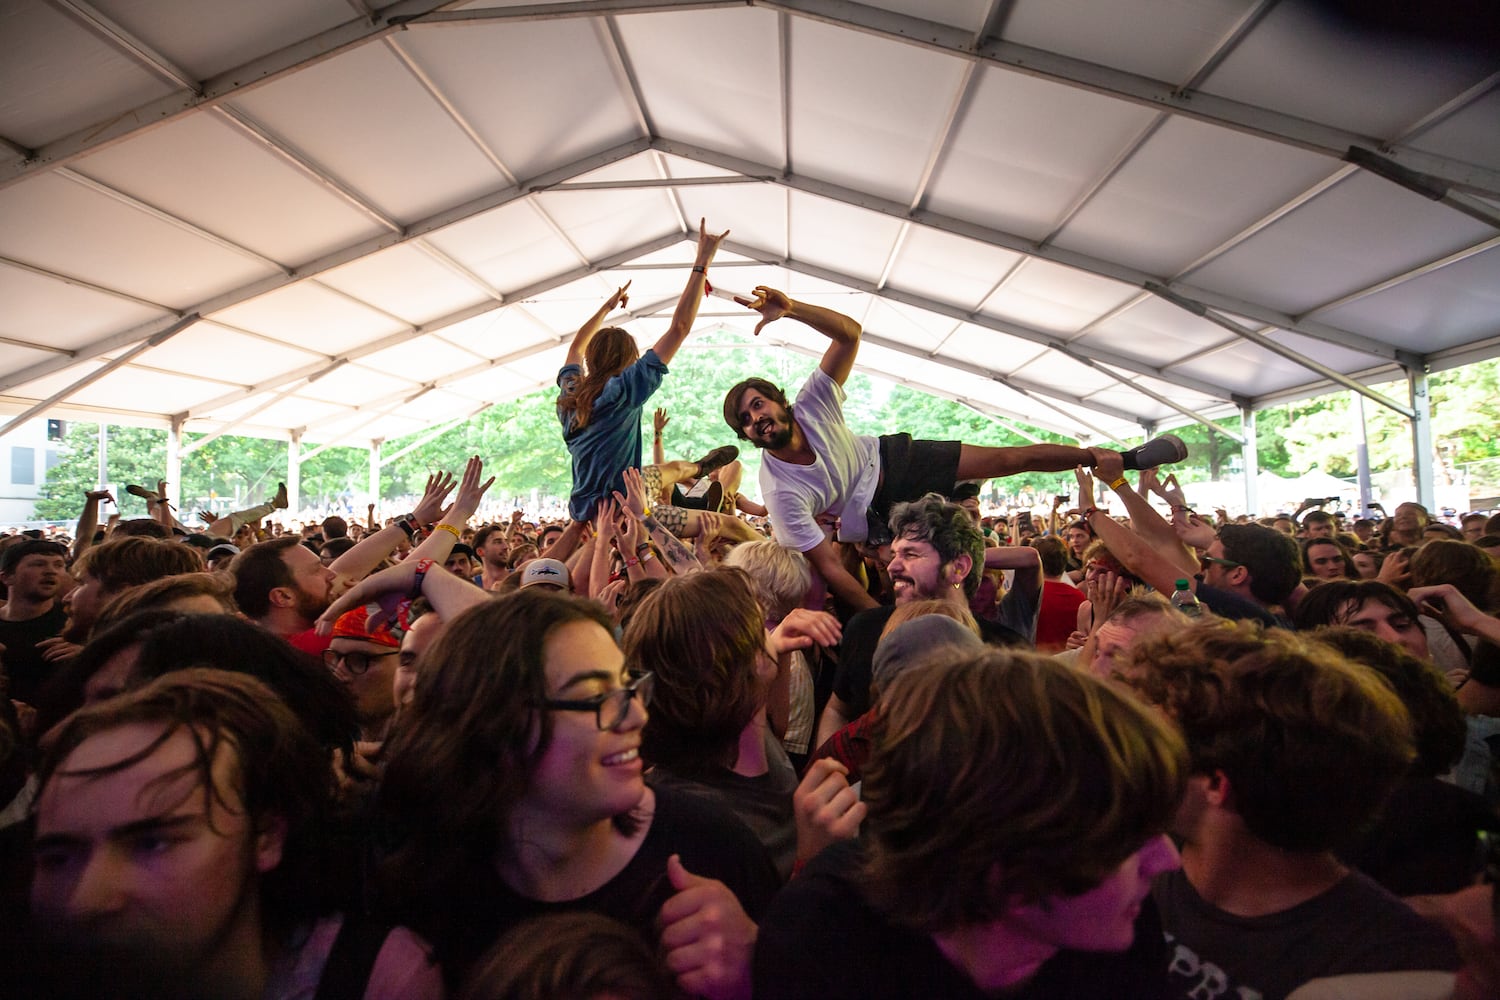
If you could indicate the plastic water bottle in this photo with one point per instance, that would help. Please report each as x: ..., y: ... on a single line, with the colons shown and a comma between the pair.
x: 1184, y: 600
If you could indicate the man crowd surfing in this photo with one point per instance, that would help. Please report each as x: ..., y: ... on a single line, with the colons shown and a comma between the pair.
x: 854, y: 740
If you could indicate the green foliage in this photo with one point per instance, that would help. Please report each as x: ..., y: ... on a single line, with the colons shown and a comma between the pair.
x: 134, y: 455
x: 521, y: 442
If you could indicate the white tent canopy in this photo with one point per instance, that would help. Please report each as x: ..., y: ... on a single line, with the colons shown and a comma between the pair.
x: 341, y: 222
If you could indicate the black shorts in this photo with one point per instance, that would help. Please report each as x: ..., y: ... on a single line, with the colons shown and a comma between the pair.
x: 909, y: 470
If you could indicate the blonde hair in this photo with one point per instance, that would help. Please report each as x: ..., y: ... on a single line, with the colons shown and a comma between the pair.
x: 916, y: 609
x: 780, y: 576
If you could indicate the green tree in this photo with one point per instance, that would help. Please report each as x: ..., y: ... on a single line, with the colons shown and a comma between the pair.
x: 133, y: 455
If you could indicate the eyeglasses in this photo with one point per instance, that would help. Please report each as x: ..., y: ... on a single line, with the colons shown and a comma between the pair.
x: 355, y: 663
x: 609, y: 708
x: 1216, y: 561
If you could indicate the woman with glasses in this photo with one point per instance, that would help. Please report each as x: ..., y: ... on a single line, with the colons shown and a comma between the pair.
x: 517, y: 770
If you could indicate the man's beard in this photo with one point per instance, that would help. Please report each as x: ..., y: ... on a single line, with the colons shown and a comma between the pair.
x: 310, y: 607
x: 778, y: 441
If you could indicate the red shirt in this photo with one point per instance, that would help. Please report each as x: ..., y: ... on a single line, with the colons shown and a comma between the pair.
x: 1059, y: 615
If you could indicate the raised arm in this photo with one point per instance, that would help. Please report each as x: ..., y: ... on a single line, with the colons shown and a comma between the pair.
x: 88, y: 521
x: 659, y: 423
x: 838, y: 360
x: 679, y: 557
x: 586, y: 332
x: 825, y: 559
x: 1133, y: 551
x: 692, y: 296
x: 1144, y: 520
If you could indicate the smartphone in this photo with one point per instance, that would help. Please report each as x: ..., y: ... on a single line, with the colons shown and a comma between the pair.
x: 1064, y: 497
x: 1025, y: 521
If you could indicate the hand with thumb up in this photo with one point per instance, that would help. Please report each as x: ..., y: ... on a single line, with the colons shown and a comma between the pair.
x: 706, y: 936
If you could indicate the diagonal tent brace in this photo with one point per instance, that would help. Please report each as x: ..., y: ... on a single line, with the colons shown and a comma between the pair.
x: 225, y: 428
x: 1039, y: 398
x: 1425, y: 185
x: 434, y: 433
x: 1266, y: 343
x: 346, y: 435
x: 103, y: 370
x: 345, y: 255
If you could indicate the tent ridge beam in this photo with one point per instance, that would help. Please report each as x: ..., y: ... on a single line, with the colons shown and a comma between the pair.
x: 1064, y: 70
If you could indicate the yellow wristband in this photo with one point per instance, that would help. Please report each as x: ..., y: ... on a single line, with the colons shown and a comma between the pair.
x: 449, y: 528
x: 1118, y: 483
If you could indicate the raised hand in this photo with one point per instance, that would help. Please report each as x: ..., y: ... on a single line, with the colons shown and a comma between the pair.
x: 470, y: 492
x: 659, y: 420
x: 1086, y: 496
x: 604, y: 524
x: 1171, y: 491
x: 770, y: 303
x: 1193, y: 528
x: 706, y: 936
x: 96, y: 495
x: 430, y: 508
x: 803, y: 628
x: 634, y: 500
x: 1105, y: 593
x: 708, y: 244
x: 621, y: 298
x: 826, y: 808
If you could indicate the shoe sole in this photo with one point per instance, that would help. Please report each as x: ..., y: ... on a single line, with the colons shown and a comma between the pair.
x: 1163, y: 450
x: 717, y: 459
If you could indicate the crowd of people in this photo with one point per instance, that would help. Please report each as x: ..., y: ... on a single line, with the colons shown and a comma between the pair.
x: 852, y: 740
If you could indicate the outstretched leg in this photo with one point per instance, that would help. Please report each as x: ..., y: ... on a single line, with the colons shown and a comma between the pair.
x: 980, y: 462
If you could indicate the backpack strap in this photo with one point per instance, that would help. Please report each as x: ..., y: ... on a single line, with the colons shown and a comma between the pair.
x: 346, y: 974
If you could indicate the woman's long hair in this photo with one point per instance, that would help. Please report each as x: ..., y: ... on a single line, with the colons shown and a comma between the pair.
x: 609, y: 352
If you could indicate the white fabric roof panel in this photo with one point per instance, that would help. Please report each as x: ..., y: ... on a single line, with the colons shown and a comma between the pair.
x: 185, y: 168
x: 978, y: 218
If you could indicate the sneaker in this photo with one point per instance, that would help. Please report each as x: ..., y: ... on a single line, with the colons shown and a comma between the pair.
x: 717, y: 459
x: 1162, y: 450
x: 148, y: 495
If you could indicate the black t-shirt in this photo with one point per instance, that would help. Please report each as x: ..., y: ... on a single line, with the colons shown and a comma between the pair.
x: 763, y: 803
x: 23, y: 663
x: 1424, y: 841
x: 821, y: 940
x: 1227, y: 604
x: 857, y: 653
x: 1354, y: 928
x: 711, y: 841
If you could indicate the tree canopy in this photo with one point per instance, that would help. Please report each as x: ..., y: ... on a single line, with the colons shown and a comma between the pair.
x: 522, y: 445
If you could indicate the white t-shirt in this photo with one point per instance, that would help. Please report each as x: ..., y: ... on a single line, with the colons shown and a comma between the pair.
x: 841, y: 479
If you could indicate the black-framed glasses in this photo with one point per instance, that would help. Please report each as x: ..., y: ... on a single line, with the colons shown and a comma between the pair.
x: 609, y: 708
x: 355, y: 663
x: 1208, y: 561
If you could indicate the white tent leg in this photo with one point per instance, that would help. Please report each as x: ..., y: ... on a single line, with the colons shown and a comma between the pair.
x: 375, y: 470
x: 294, y: 474
x: 174, y: 464
x: 1421, y: 436
x: 1250, y: 461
